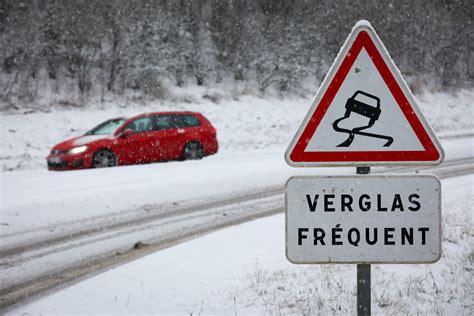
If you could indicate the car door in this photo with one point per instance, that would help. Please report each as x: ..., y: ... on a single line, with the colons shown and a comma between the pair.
x: 138, y: 147
x: 169, y: 137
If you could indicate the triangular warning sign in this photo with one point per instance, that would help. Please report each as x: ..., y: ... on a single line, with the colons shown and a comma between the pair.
x: 364, y: 113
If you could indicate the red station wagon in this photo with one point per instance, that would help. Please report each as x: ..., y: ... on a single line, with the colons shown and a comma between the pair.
x: 145, y: 138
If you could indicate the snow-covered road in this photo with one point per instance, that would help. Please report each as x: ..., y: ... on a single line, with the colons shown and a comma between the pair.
x: 243, y: 270
x: 57, y: 221
x: 38, y: 198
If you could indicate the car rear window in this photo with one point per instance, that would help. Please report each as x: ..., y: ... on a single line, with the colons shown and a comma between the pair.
x: 163, y: 122
x: 190, y: 121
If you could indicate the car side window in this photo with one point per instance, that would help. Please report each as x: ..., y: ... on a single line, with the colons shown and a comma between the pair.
x: 163, y: 122
x: 190, y: 121
x: 141, y: 125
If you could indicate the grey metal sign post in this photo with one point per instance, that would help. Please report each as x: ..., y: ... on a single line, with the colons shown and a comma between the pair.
x: 364, y: 291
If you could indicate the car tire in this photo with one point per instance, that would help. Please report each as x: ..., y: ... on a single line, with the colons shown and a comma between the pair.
x: 193, y: 151
x: 104, y: 158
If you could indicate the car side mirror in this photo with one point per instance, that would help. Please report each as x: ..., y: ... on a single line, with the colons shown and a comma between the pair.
x: 126, y: 133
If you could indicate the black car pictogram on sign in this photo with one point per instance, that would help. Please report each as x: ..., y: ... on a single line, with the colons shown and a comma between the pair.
x: 364, y: 109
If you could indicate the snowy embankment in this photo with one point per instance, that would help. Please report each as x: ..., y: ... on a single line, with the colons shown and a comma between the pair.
x: 243, y: 270
x: 247, y: 123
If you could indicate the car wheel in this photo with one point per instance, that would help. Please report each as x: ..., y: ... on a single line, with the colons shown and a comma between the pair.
x: 193, y: 151
x: 104, y: 158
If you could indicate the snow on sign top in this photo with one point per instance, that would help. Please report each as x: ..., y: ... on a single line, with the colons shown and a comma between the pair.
x: 364, y: 113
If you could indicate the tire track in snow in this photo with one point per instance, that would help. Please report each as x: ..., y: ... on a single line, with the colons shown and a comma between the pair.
x: 94, y: 249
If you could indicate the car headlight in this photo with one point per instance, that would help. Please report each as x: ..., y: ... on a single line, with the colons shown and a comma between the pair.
x: 77, y: 150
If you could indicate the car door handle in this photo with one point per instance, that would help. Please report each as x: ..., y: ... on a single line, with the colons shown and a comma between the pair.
x: 181, y: 131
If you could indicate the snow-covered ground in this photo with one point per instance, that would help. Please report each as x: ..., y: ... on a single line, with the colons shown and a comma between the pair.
x: 245, y: 123
x: 243, y: 270
x: 32, y: 199
x: 36, y: 198
x: 239, y: 269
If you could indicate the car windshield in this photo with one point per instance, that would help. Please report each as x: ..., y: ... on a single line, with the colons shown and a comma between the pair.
x: 366, y: 99
x: 107, y: 128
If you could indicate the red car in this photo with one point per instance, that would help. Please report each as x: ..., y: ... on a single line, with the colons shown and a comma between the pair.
x: 145, y: 138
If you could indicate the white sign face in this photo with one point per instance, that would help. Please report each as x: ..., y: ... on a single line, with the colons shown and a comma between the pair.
x: 363, y: 219
x: 364, y: 113
x: 391, y: 122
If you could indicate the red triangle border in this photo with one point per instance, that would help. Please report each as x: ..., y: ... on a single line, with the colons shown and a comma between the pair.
x: 430, y: 152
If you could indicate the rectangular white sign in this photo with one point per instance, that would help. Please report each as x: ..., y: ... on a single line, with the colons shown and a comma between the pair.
x: 363, y: 219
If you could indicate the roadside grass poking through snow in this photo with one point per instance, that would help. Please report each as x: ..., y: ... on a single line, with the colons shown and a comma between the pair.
x: 445, y: 287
